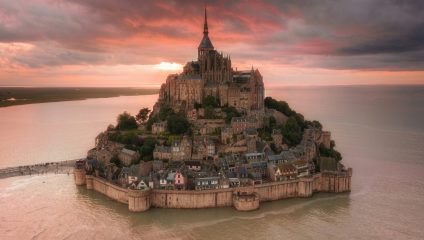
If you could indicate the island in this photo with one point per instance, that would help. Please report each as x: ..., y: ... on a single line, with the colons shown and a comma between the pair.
x: 212, y: 139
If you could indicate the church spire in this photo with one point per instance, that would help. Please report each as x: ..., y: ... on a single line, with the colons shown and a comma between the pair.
x: 205, y: 26
x: 206, y: 43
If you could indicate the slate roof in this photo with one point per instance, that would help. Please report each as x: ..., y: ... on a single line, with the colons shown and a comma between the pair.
x: 206, y: 42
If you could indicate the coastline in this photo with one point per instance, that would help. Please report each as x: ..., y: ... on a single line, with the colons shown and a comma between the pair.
x: 61, y: 167
x: 14, y: 96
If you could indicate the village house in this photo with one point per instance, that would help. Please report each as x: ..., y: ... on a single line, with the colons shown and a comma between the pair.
x: 139, y: 185
x: 254, y: 157
x: 206, y: 183
x: 193, y: 165
x: 162, y: 153
x: 282, y: 172
x: 179, y: 181
x: 127, y: 156
x: 159, y: 127
x: 302, y: 168
x: 238, y: 124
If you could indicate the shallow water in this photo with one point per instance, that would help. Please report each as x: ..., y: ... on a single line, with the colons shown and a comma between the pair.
x: 378, y: 130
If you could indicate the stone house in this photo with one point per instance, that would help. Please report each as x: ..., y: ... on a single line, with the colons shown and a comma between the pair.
x: 159, y: 127
x: 288, y: 171
x: 162, y: 153
x: 254, y: 157
x: 282, y: 172
x: 181, y: 150
x: 193, y: 165
x: 302, y: 168
x: 127, y: 156
x: 238, y: 124
x: 206, y: 182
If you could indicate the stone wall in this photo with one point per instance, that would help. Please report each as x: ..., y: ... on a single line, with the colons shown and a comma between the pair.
x: 336, y: 182
x: 191, y: 199
x: 112, y: 191
x: 142, y: 200
x: 286, y: 189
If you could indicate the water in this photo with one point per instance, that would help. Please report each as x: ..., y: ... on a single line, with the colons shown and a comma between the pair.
x: 378, y: 130
x: 50, y: 132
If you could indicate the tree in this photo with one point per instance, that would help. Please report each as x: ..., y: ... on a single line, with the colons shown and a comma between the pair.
x: 230, y: 112
x: 142, y: 115
x: 211, y: 101
x: 164, y: 112
x: 292, y: 131
x: 330, y: 152
x: 209, y: 112
x: 177, y: 124
x: 126, y: 122
x: 116, y: 161
x: 280, y: 106
x: 151, y: 120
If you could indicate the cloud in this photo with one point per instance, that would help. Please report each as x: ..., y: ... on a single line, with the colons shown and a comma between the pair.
x: 358, y: 35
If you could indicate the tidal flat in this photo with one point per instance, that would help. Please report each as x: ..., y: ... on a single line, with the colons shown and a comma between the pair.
x: 11, y: 96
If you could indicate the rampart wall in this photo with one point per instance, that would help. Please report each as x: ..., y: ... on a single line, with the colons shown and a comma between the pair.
x: 142, y: 200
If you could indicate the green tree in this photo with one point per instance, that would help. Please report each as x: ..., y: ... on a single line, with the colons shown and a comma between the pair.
x: 230, y: 112
x: 210, y: 101
x: 126, y: 122
x: 164, y: 112
x: 142, y: 115
x: 280, y: 106
x: 209, y: 112
x: 152, y: 119
x: 330, y: 152
x: 292, y: 131
x: 177, y: 124
x: 116, y: 161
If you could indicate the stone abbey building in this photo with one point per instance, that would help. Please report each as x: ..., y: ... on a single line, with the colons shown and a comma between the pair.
x: 212, y: 74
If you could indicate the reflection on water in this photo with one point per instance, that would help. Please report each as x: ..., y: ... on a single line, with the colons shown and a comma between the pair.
x: 379, y: 131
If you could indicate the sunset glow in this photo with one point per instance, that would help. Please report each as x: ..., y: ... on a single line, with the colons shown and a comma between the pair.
x: 137, y: 43
x: 168, y: 66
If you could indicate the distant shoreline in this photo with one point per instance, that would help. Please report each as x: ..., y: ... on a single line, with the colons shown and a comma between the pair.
x: 13, y: 96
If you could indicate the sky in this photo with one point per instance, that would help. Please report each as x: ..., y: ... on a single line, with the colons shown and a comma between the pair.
x: 109, y: 43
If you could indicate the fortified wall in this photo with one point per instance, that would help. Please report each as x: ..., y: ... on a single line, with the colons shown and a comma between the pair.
x: 243, y: 198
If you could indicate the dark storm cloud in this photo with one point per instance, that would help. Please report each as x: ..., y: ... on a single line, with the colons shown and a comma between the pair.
x: 408, y: 41
x: 340, y: 34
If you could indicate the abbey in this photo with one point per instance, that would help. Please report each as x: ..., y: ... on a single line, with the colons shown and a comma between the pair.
x: 213, y: 75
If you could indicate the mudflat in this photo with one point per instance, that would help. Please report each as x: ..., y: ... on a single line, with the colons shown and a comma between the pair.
x: 10, y: 96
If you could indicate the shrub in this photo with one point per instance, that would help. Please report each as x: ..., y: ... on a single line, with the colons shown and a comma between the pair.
x: 126, y: 122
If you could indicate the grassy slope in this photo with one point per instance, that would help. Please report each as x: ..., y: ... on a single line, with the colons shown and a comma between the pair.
x: 41, y: 95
